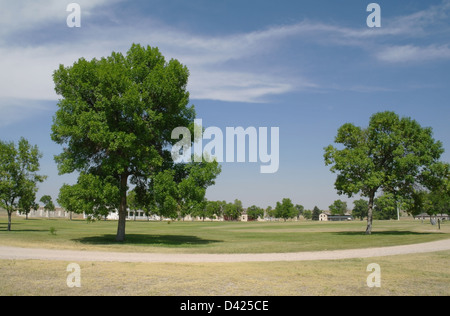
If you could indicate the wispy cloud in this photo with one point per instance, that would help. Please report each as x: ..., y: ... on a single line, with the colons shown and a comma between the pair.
x: 411, y: 53
x: 241, y: 87
x: 233, y: 67
x: 209, y: 59
x: 428, y: 25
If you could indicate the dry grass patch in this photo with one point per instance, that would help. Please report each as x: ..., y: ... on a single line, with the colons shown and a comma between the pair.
x: 418, y: 274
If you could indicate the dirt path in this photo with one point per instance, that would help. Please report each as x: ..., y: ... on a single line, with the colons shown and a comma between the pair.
x: 78, y: 256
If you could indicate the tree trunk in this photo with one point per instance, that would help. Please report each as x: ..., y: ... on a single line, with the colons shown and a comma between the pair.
x: 122, y: 208
x: 370, y: 214
x: 9, y: 220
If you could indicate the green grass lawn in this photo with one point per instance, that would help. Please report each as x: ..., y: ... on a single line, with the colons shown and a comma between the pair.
x: 216, y: 237
x: 414, y: 274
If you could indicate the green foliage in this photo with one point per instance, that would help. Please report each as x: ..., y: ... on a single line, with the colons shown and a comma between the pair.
x: 48, y: 203
x: 254, y: 212
x: 436, y: 200
x: 270, y: 212
x: 300, y: 209
x: 285, y: 209
x: 115, y: 120
x: 307, y: 214
x: 360, y: 208
x: 338, y: 208
x: 232, y: 211
x: 176, y: 196
x: 18, y: 176
x: 93, y: 196
x: 213, y: 209
x: 28, y: 200
x: 315, y: 213
x: 52, y: 231
x: 392, y: 154
x: 385, y: 207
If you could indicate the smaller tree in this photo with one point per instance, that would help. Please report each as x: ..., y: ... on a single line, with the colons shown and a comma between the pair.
x: 316, y: 213
x: 360, y: 208
x: 254, y: 212
x: 18, y: 176
x: 285, y: 209
x: 67, y: 199
x: 212, y: 209
x: 436, y: 201
x: 28, y: 200
x: 307, y: 214
x: 270, y: 212
x: 48, y: 204
x: 300, y: 209
x: 93, y: 196
x: 181, y: 192
x: 233, y: 210
x: 385, y: 207
x: 338, y: 208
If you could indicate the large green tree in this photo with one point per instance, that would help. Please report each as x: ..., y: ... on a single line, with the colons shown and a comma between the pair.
x: 19, y: 167
x: 116, y: 116
x: 392, y: 154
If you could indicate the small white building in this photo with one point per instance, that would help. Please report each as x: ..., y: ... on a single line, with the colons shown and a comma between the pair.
x: 327, y: 217
x: 41, y: 212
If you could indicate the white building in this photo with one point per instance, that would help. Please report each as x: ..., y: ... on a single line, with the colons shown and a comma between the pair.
x: 41, y: 212
x: 327, y: 217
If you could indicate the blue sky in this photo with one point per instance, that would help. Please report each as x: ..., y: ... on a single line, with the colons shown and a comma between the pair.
x: 306, y: 67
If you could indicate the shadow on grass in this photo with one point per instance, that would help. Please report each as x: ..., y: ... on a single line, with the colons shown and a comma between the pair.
x: 150, y: 240
x: 387, y: 233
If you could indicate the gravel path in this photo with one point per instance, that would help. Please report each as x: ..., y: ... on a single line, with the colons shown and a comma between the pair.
x: 15, y: 253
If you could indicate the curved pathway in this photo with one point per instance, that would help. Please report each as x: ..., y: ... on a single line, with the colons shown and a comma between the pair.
x: 15, y: 253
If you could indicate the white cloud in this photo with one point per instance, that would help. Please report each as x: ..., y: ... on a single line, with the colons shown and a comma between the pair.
x: 411, y: 53
x: 236, y: 67
x: 240, y: 87
x: 27, y: 71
